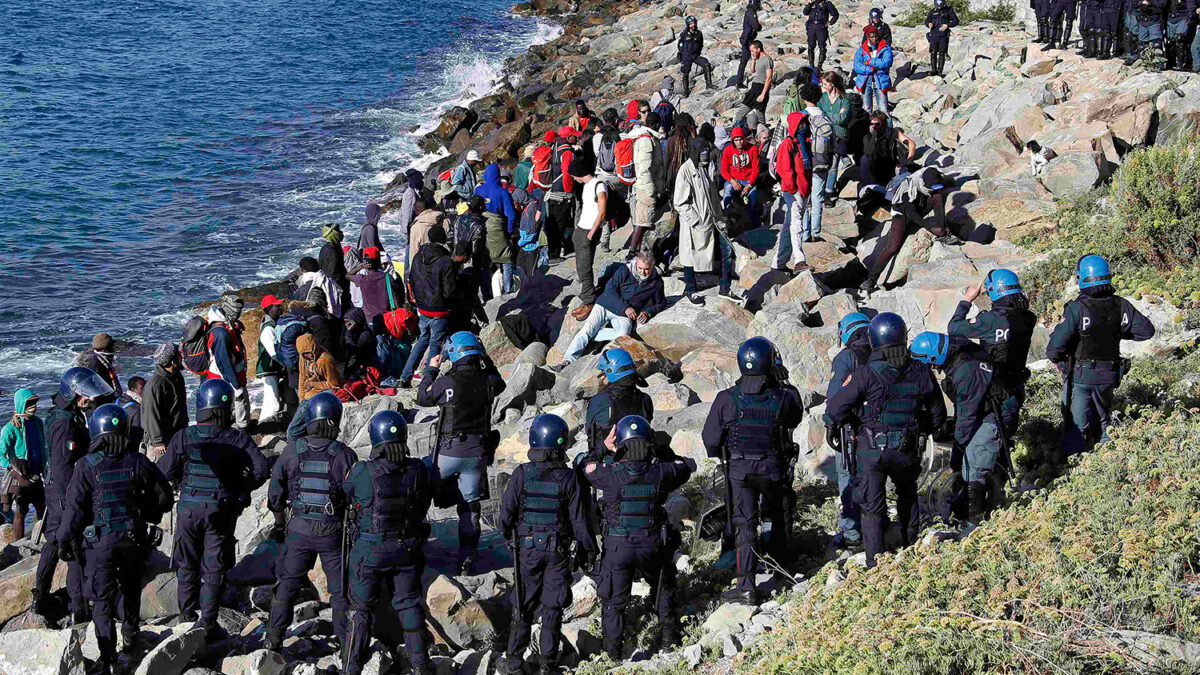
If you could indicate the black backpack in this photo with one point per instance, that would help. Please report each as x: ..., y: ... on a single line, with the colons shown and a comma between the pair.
x: 666, y: 115
x: 195, y: 345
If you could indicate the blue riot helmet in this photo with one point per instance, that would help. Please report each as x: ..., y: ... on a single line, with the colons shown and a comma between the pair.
x: 82, y: 382
x: 325, y: 406
x: 616, y: 364
x: 109, y: 418
x: 851, y: 324
x: 388, y: 426
x: 876, y: 14
x: 939, y: 3
x: 1093, y: 270
x: 888, y: 330
x: 461, y: 345
x: 756, y: 356
x: 549, y: 433
x: 931, y: 348
x: 214, y: 394
x: 1001, y: 284
x: 691, y: 20
x: 633, y: 428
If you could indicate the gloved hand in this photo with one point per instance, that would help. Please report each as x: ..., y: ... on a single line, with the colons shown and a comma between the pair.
x: 833, y: 439
x: 585, y: 561
x: 946, y: 433
x: 278, y: 533
x: 66, y: 552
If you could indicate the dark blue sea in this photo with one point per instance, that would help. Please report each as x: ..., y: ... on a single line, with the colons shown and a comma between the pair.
x: 155, y: 154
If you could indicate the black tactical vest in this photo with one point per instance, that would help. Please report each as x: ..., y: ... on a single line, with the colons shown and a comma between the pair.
x: 902, y: 398
x: 200, y: 486
x: 1010, y: 353
x: 541, y: 500
x: 1099, y: 329
x: 622, y: 401
x: 389, y: 513
x: 113, y: 507
x: 469, y: 410
x: 756, y: 431
x: 637, y: 510
x: 314, y: 495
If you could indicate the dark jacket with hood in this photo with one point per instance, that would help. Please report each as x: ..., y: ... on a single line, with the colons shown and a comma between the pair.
x: 360, y: 341
x: 369, y: 236
x: 434, y: 279
x: 164, y: 406
x: 623, y: 290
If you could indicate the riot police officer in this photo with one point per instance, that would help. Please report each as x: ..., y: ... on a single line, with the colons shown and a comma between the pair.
x: 977, y: 429
x: 750, y: 427
x: 115, y: 494
x: 1086, y: 348
x: 856, y: 349
x: 638, y: 540
x: 466, y: 442
x: 619, y: 397
x: 307, y: 478
x: 750, y: 29
x: 1042, y: 11
x: 216, y: 468
x: 1005, y: 331
x: 390, y: 494
x: 875, y: 19
x: 940, y: 20
x: 542, y: 513
x: 691, y: 43
x: 894, y: 399
x: 79, y: 391
x: 1059, y: 37
x: 821, y: 15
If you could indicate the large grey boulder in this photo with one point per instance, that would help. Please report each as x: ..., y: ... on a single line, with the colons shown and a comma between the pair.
x: 42, y: 652
x: 172, y: 655
x: 684, y: 327
x: 1071, y: 175
x: 522, y: 383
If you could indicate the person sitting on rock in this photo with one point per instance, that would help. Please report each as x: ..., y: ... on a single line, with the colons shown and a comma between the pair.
x: 886, y: 148
x: 376, y: 292
x: 633, y: 295
x: 739, y: 168
x: 702, y: 241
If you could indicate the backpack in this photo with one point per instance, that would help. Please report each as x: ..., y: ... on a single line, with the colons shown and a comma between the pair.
x: 195, y: 345
x: 626, y: 171
x: 287, y: 330
x: 541, y: 173
x: 556, y: 173
x: 666, y: 115
x: 607, y: 157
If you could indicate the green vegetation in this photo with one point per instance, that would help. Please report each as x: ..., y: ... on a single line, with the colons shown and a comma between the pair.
x: 1001, y: 12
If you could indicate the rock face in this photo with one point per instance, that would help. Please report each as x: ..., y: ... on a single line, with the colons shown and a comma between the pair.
x: 42, y: 652
x: 172, y: 655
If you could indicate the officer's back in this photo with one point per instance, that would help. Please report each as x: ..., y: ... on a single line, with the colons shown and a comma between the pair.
x: 634, y: 490
x: 312, y: 469
x: 390, y: 496
x: 619, y: 398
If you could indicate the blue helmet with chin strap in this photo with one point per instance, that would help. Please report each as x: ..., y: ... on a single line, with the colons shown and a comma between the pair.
x: 82, y: 382
x: 756, y: 356
x: 876, y: 13
x: 1001, y: 284
x: 461, y: 345
x: 325, y: 406
x: 1093, y: 270
x: 851, y: 324
x: 633, y: 427
x: 931, y: 348
x: 616, y: 364
x: 888, y: 330
x: 549, y: 432
x: 109, y: 418
x: 214, y: 394
x: 388, y: 426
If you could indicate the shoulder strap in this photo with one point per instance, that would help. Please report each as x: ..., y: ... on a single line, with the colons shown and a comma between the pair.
x: 387, y: 283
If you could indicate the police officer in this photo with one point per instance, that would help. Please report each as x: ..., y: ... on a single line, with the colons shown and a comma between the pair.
x: 1149, y: 22
x: 875, y: 18
x: 821, y: 15
x: 893, y: 399
x: 750, y: 426
x: 1042, y: 10
x: 1005, y: 331
x: 1060, y: 10
x: 750, y: 29
x: 216, y: 467
x: 977, y: 440
x: 1106, y: 25
x: 638, y: 540
x: 390, y: 495
x: 466, y: 441
x: 856, y: 349
x: 1178, y: 15
x: 619, y: 397
x: 542, y: 513
x: 115, y: 494
x: 307, y: 477
x: 79, y: 391
x: 1090, y: 29
x: 691, y: 43
x: 1086, y: 348
x: 940, y: 20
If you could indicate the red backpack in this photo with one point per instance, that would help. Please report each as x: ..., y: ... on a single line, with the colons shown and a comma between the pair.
x: 542, y: 174
x: 625, y: 169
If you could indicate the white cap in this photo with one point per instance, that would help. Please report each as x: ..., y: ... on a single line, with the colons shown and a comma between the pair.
x: 472, y: 156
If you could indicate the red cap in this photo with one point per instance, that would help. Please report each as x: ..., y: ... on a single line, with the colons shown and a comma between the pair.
x: 567, y: 132
x: 270, y: 301
x: 631, y: 109
x: 549, y: 137
x: 371, y: 252
x: 869, y: 31
x: 738, y: 132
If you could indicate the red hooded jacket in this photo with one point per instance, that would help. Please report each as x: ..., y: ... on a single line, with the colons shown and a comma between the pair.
x: 793, y: 160
x: 739, y: 164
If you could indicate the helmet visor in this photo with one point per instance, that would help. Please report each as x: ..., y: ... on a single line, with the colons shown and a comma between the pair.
x: 91, y: 386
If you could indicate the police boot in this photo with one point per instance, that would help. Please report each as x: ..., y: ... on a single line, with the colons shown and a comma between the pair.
x: 101, y: 666
x: 1085, y: 38
x: 821, y: 61
x: 274, y: 640
x: 81, y: 617
x: 510, y: 665
x: 976, y: 504
x: 812, y: 53
x: 708, y: 77
x: 40, y: 604
x: 740, y: 597
x: 670, y: 635
x: 1106, y: 43
x: 1055, y: 36
x: 1066, y: 39
x: 1041, y: 32
x: 1134, y: 54
x: 687, y: 85
x: 129, y: 636
x: 1170, y: 53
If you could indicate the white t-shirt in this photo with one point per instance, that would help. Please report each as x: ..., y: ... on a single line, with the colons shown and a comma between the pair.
x: 591, y: 203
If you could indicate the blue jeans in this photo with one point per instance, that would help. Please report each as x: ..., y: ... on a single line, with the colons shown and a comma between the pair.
x: 790, y: 239
x: 507, y: 286
x: 831, y: 179
x: 751, y: 199
x: 1089, y: 408
x: 1196, y: 52
x: 980, y: 456
x: 873, y: 98
x: 433, y: 332
x: 812, y: 217
x: 849, y: 517
x: 469, y: 473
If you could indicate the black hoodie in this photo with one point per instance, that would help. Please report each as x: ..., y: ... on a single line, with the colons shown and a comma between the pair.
x: 433, y: 279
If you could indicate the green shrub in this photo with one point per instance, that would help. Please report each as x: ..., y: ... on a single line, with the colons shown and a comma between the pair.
x: 915, y: 16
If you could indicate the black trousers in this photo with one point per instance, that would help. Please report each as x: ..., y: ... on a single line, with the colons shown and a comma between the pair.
x: 115, y: 564
x: 560, y: 219
x: 875, y: 467
x: 545, y: 590
x: 746, y: 514
x: 299, y: 554
x: 626, y: 559
x: 741, y: 76
x: 373, y: 567
x: 48, y: 561
x: 203, y: 555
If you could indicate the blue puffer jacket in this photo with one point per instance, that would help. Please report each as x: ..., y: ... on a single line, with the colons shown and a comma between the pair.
x: 499, y: 201
x: 874, y: 65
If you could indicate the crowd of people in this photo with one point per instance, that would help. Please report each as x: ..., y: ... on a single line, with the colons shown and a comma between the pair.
x: 105, y: 463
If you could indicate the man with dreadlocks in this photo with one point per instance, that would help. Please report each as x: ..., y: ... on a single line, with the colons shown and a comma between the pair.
x: 114, y: 495
x: 308, y: 479
x: 389, y: 495
x: 216, y: 468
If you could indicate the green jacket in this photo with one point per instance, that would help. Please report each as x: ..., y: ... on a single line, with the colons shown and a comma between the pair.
x: 838, y: 114
x: 521, y: 175
x: 26, y: 441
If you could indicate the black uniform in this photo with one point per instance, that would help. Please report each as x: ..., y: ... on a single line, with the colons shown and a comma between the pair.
x: 637, y: 539
x: 614, y: 402
x: 894, y: 402
x: 109, y: 503
x: 753, y: 420
x: 544, y: 507
x: 389, y: 502
x: 691, y: 43
x: 216, y: 470
x: 1086, y: 347
x: 939, y: 40
x: 854, y: 354
x: 977, y: 442
x: 821, y: 15
x: 750, y: 29
x: 466, y: 442
x: 68, y: 441
x: 308, y: 478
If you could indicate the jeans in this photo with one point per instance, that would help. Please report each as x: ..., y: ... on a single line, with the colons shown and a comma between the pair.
x: 849, y: 516
x: 832, y: 178
x: 1196, y: 52
x: 593, y: 328
x: 812, y: 217
x: 751, y: 199
x: 689, y: 273
x: 790, y: 239
x: 873, y: 98
x: 981, y: 452
x: 1089, y: 407
x: 433, y: 332
x: 507, y: 285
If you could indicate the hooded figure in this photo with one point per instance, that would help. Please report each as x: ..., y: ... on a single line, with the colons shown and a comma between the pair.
x: 699, y: 206
x: 369, y: 236
x: 333, y: 272
x: 501, y: 215
x: 318, y: 372
x: 23, y: 451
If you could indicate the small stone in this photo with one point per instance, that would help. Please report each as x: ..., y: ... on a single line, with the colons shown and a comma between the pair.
x: 728, y: 618
x: 730, y: 646
x: 835, y: 577
x: 859, y: 559
x: 693, y: 655
x: 172, y: 655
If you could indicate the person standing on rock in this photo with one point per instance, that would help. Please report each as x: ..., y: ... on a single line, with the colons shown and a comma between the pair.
x: 541, y: 514
x: 462, y: 179
x: 102, y: 360
x: 875, y: 20
x: 466, y: 441
x: 500, y: 217
x: 913, y: 197
x: 389, y: 495
x: 1105, y: 26
x: 691, y: 43
x: 856, y: 350
x: 821, y: 136
x: 893, y: 400
x: 750, y: 29
x: 79, y: 391
x: 759, y: 94
x: 227, y: 353
x: 1086, y: 348
x: 703, y: 245
x: 1178, y: 15
x: 560, y: 198
x: 115, y: 497
x: 638, y: 539
x: 940, y: 20
x: 836, y: 106
x: 749, y: 429
x: 1060, y: 10
x: 216, y: 468
x: 1042, y: 11
x: 164, y: 406
x: 307, y: 478
x: 22, y: 461
x: 268, y: 369
x: 821, y: 15
x: 650, y: 170
x: 432, y: 284
x: 604, y: 148
x: 793, y: 165
x: 593, y: 214
x: 871, y: 77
